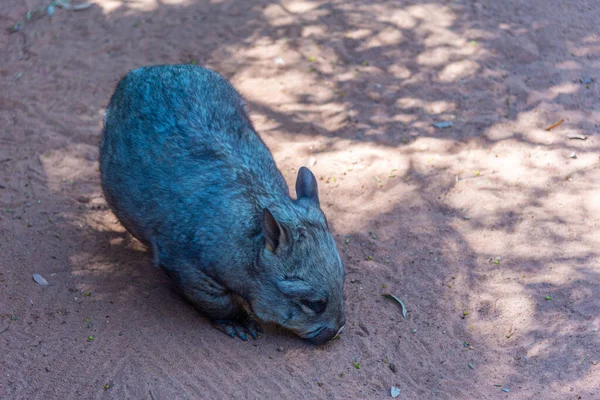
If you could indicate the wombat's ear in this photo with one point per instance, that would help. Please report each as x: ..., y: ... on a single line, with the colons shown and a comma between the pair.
x: 272, y: 231
x: 306, y: 185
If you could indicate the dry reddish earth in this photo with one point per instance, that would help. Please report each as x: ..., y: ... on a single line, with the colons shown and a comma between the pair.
x: 426, y: 211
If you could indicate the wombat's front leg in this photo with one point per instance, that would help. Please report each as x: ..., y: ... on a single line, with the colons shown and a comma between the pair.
x: 239, y: 327
x: 226, y: 309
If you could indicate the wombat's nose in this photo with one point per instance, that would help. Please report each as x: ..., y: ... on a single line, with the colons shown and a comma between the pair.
x: 325, y: 335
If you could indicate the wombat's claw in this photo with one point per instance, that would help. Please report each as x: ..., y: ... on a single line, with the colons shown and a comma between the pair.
x: 239, y: 328
x: 254, y: 329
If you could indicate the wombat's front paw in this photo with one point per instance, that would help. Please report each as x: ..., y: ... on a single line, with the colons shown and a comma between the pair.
x: 239, y: 327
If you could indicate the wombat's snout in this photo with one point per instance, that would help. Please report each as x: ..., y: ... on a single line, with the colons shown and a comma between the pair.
x: 326, y: 333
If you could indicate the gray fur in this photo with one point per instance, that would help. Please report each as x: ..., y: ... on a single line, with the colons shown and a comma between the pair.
x: 185, y: 172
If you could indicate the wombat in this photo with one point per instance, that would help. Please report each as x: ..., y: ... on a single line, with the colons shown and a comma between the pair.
x: 185, y: 172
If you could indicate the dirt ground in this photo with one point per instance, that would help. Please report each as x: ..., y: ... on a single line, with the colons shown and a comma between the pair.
x: 487, y: 229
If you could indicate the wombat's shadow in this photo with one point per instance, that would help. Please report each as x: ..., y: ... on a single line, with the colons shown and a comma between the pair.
x: 136, y: 271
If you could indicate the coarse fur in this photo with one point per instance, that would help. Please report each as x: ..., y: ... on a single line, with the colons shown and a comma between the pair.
x: 186, y: 173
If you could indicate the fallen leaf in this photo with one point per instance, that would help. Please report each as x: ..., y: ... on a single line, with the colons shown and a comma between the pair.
x: 40, y: 280
x: 392, y: 297
x: 443, y: 124
x: 64, y: 4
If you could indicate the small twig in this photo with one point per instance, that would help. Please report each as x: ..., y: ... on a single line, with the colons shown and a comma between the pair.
x: 152, y: 395
x: 554, y: 125
x: 5, y: 329
x: 576, y: 136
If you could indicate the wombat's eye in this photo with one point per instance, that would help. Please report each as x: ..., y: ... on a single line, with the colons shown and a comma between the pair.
x: 317, y: 306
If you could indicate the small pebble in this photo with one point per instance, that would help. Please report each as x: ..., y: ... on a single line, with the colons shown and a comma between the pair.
x: 280, y: 349
x: 393, y: 367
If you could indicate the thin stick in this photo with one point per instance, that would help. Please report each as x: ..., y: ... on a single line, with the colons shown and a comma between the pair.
x: 554, y: 125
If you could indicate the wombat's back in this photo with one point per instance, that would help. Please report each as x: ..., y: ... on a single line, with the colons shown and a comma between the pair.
x: 179, y: 150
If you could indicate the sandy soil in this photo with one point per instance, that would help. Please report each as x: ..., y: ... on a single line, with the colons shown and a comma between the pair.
x: 487, y: 230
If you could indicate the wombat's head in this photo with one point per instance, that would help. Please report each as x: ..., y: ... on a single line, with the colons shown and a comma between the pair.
x: 301, y: 274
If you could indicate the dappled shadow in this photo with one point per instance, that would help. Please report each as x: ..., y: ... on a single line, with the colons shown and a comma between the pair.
x: 510, y: 278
